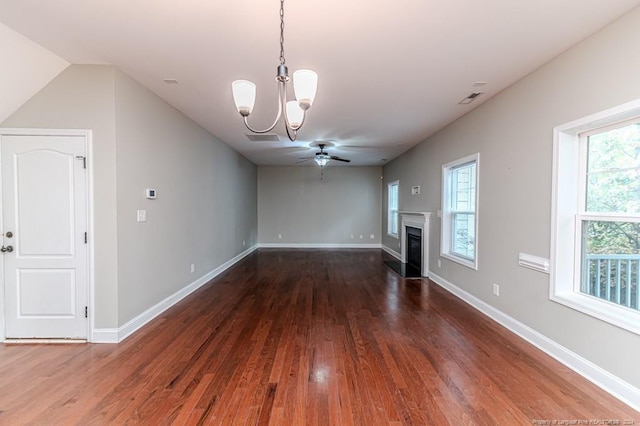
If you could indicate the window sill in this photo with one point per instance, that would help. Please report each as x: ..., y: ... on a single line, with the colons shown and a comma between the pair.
x: 464, y: 262
x: 396, y: 236
x: 620, y: 316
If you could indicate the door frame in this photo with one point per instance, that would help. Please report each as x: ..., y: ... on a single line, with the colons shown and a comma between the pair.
x: 90, y: 278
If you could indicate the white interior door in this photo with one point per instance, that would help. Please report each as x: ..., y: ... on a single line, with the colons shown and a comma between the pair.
x: 44, y: 221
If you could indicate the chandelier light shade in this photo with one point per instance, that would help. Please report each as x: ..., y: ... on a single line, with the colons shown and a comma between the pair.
x: 305, y: 84
x: 294, y: 114
x: 244, y: 95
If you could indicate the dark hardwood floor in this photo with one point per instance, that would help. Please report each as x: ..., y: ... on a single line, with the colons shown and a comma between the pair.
x: 303, y: 337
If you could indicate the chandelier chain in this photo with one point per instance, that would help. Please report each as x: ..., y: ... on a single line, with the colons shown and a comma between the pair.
x: 282, y: 60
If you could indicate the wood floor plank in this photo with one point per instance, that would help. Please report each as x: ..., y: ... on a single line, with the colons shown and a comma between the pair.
x: 303, y: 337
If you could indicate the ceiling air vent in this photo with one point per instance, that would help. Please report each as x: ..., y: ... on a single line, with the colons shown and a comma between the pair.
x: 269, y: 137
x: 470, y: 98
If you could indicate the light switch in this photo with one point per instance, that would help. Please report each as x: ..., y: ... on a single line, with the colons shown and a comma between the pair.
x: 142, y: 215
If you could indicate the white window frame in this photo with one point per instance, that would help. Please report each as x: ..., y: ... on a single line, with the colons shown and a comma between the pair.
x: 569, y: 187
x: 446, y: 230
x: 391, y: 209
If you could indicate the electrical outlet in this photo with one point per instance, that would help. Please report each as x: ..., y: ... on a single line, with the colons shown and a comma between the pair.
x: 142, y: 215
x: 496, y: 289
x: 193, y: 268
x: 439, y: 263
x: 361, y: 236
x: 352, y: 236
x: 372, y: 236
x: 279, y: 236
x: 244, y: 243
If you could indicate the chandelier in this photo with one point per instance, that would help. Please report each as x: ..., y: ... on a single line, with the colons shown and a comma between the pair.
x: 305, y: 83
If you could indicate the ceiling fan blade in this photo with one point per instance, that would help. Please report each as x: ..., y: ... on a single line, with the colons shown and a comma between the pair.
x: 333, y: 157
x: 304, y: 160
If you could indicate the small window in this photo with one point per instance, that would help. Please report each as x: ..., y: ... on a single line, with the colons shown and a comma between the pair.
x: 459, y: 240
x: 392, y: 209
x: 595, y: 248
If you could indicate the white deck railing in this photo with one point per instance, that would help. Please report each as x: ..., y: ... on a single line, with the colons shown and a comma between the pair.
x: 613, y: 277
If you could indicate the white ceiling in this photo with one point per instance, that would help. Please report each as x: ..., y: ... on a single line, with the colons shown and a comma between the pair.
x: 391, y: 73
x: 26, y: 69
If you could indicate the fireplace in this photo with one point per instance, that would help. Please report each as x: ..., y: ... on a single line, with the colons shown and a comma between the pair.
x: 413, y: 261
x: 414, y: 247
x: 418, y: 221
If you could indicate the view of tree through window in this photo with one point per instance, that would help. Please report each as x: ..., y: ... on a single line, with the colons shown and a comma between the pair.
x: 458, y: 234
x: 611, y: 233
x: 463, y: 200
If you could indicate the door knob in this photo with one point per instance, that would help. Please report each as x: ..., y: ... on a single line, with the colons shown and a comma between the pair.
x: 8, y: 234
x: 7, y: 249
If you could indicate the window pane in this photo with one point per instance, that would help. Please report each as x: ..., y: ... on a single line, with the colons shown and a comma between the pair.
x: 394, y: 222
x: 392, y: 208
x: 464, y: 234
x: 611, y: 261
x: 613, y: 171
x: 463, y: 196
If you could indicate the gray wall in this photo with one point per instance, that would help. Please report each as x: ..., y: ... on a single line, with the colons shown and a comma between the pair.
x: 513, y: 134
x: 207, y: 193
x: 206, y: 205
x: 296, y: 203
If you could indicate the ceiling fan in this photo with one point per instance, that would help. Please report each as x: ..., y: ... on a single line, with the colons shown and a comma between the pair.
x: 322, y: 158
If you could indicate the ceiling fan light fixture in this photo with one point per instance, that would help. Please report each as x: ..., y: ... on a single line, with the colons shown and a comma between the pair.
x: 322, y: 159
x: 305, y: 84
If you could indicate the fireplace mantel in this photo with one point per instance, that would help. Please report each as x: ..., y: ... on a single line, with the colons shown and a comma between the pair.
x: 418, y: 220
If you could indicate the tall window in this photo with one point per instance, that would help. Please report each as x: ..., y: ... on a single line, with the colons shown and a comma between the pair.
x: 610, y: 215
x: 596, y: 229
x: 459, y: 216
x: 392, y: 209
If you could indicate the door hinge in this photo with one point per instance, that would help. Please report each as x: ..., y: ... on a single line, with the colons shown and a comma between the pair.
x: 86, y: 312
x: 84, y: 160
x: 85, y: 238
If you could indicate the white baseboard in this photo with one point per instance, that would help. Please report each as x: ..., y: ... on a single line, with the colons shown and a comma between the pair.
x: 43, y: 341
x: 319, y: 245
x: 116, y: 335
x: 617, y: 387
x: 392, y: 252
x: 104, y: 335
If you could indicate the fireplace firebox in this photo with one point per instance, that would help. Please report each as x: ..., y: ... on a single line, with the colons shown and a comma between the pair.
x: 414, y: 247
